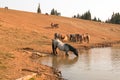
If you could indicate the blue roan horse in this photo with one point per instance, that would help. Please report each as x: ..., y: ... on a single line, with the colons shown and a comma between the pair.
x: 56, y: 43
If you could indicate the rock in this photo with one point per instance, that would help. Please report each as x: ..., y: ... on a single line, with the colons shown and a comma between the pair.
x: 38, y: 54
x: 27, y: 77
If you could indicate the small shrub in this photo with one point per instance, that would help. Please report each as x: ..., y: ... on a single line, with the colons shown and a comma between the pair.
x: 31, y: 79
x: 2, y: 67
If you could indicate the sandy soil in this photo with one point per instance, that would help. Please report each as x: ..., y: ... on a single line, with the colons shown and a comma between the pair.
x: 19, y: 30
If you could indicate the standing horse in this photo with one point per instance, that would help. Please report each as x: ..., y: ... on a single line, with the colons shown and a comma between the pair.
x: 75, y: 38
x: 54, y: 25
x: 72, y: 37
x: 57, y: 36
x: 86, y: 37
x: 56, y: 43
x: 78, y: 38
x: 62, y: 37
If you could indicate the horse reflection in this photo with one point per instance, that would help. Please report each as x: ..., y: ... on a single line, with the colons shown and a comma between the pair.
x: 58, y: 61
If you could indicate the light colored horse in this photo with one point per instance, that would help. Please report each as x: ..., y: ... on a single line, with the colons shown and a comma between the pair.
x: 61, y: 37
x: 56, y: 43
x: 86, y: 37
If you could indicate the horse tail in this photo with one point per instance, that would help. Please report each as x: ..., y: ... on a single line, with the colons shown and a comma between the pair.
x: 71, y: 48
x: 88, y: 38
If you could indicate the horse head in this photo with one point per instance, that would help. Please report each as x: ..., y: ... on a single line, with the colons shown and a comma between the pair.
x: 71, y: 48
x: 75, y: 52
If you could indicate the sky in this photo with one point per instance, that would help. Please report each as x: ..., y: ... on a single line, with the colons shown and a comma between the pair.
x: 102, y: 9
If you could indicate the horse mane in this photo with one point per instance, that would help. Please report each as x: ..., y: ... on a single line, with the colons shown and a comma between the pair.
x: 70, y: 47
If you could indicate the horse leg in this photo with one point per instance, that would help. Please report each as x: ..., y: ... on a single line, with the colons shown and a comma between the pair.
x: 84, y: 39
x: 66, y: 53
x: 54, y: 48
x: 87, y: 39
x: 80, y: 40
x: 56, y: 51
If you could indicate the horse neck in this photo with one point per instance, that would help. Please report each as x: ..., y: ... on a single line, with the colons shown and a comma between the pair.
x: 70, y: 47
x: 59, y: 42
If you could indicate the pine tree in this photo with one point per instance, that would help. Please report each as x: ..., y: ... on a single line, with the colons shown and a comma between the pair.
x: 99, y: 20
x: 78, y: 16
x: 39, y: 10
x: 115, y: 18
x: 95, y: 19
x: 74, y: 16
x: 86, y: 16
x: 54, y: 12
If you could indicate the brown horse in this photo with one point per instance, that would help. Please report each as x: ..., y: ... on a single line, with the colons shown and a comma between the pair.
x: 78, y: 38
x: 54, y: 25
x: 72, y: 37
x: 75, y: 38
x: 62, y: 37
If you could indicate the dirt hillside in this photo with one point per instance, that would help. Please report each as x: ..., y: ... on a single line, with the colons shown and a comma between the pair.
x: 20, y: 29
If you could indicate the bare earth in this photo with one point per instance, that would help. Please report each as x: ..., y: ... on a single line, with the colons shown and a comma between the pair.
x: 21, y: 32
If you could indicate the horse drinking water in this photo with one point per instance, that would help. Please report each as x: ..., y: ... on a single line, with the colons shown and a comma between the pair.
x: 56, y: 43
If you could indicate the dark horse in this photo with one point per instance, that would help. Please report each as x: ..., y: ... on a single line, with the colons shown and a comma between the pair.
x: 54, y: 25
x: 56, y: 43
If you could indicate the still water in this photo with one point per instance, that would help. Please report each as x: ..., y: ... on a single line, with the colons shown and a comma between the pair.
x: 93, y: 64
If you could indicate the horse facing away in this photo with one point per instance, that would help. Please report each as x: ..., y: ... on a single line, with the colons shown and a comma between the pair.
x: 56, y: 43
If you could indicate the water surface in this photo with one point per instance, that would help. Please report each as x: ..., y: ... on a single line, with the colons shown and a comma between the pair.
x: 93, y: 64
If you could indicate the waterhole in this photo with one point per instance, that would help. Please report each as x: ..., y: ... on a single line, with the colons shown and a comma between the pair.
x: 92, y: 64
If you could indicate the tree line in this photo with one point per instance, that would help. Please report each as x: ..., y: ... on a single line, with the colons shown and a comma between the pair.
x: 86, y: 16
x: 53, y: 11
x: 115, y: 18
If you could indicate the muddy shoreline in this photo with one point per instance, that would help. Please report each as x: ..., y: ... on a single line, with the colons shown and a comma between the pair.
x: 24, y: 67
x: 99, y: 45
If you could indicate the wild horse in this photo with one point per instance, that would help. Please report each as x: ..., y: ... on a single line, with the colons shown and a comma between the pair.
x: 54, y: 25
x: 56, y: 43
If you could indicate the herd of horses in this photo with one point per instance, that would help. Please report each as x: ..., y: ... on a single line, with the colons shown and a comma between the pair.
x: 73, y: 37
x: 57, y: 42
x: 59, y: 39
